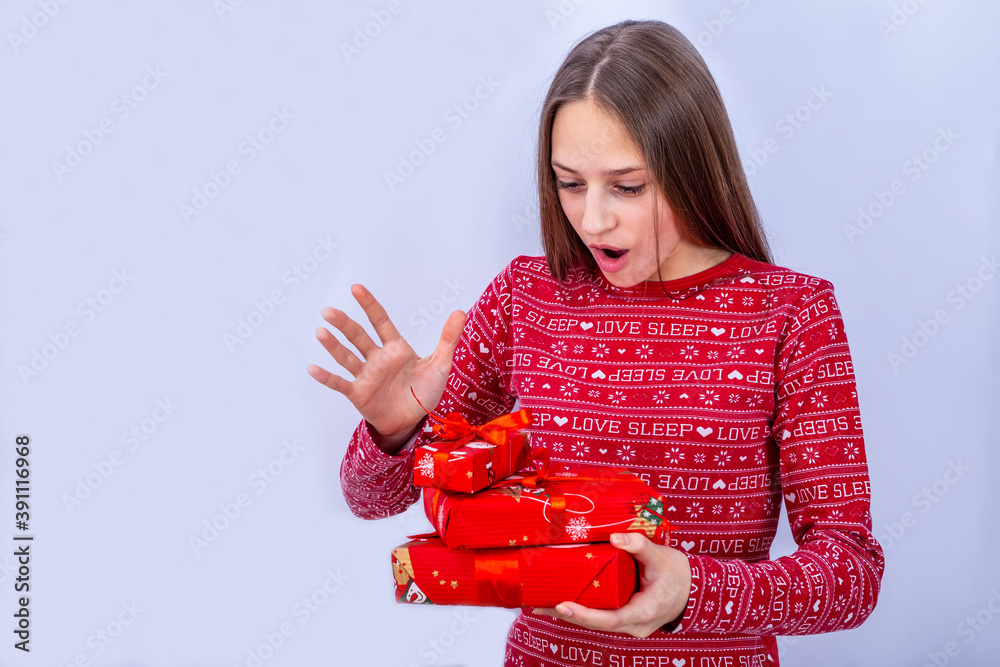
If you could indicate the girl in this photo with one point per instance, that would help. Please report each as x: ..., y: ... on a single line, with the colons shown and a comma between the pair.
x: 656, y: 335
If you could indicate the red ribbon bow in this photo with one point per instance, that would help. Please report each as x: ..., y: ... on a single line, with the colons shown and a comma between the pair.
x: 456, y: 429
x: 545, y: 470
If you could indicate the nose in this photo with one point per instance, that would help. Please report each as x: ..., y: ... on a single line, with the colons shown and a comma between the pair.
x: 598, y: 218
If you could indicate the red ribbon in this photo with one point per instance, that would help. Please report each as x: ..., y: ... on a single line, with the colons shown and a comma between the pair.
x: 548, y: 472
x: 498, y: 577
x: 497, y: 574
x: 422, y: 536
x: 545, y: 469
x: 456, y: 430
x: 548, y: 475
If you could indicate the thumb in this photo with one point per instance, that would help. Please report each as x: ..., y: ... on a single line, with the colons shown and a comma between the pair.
x: 636, y: 544
x: 450, y: 335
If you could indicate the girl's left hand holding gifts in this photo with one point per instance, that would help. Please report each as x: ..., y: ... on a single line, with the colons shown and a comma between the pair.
x: 665, y: 576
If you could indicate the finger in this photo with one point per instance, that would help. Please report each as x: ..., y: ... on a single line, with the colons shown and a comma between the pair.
x: 384, y: 327
x: 327, y: 378
x: 544, y: 611
x: 636, y: 544
x: 451, y: 333
x: 595, y: 619
x: 633, y: 618
x: 352, y: 331
x: 553, y: 613
x: 344, y: 356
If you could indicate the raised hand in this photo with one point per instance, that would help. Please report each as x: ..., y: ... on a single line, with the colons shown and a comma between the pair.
x: 384, y: 375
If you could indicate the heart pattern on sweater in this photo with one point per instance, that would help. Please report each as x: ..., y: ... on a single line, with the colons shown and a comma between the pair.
x: 643, y: 400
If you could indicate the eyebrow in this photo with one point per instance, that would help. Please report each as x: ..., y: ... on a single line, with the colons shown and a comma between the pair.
x: 610, y: 172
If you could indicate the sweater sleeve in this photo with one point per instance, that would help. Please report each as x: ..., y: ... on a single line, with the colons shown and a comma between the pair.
x: 378, y: 485
x: 831, y: 582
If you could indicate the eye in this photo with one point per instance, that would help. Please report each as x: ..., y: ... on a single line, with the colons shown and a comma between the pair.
x: 631, y: 190
x: 566, y: 185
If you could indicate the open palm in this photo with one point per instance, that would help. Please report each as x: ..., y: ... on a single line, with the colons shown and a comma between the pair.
x: 383, y: 376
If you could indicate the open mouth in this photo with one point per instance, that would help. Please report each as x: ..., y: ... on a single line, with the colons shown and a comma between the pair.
x: 609, y: 258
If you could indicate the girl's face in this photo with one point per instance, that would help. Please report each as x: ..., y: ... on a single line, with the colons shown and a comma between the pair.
x: 606, y: 191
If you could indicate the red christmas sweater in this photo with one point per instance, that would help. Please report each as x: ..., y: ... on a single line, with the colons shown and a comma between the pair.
x: 729, y: 391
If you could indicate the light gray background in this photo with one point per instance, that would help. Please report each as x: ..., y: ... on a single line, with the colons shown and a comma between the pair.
x: 894, y: 77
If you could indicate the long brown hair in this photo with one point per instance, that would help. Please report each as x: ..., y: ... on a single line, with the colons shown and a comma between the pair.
x: 649, y: 77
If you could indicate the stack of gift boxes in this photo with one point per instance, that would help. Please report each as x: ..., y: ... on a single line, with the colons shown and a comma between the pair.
x: 510, y: 535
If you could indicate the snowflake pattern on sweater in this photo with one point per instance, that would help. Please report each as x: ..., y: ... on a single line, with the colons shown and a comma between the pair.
x: 731, y: 391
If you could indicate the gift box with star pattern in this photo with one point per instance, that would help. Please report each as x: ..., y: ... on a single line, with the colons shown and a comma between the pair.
x: 598, y: 576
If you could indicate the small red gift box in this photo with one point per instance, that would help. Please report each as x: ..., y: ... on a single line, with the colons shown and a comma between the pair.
x: 468, y: 458
x: 551, y: 507
x: 595, y: 575
x: 472, y: 466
